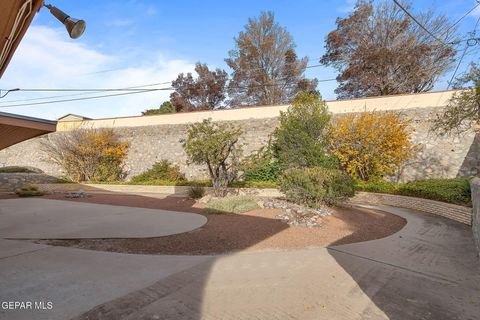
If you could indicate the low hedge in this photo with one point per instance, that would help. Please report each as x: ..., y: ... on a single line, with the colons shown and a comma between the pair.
x: 455, y: 191
x: 316, y: 186
x: 163, y: 171
x: 19, y: 169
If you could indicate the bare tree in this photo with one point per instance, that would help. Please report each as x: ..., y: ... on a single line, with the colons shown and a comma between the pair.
x: 379, y: 50
x: 204, y: 93
x: 463, y: 108
x: 266, y: 69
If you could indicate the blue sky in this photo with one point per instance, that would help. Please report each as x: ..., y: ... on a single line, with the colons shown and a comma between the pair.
x: 135, y: 42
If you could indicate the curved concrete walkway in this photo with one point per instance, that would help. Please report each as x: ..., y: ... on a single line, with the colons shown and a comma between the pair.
x: 35, y: 218
x: 428, y: 270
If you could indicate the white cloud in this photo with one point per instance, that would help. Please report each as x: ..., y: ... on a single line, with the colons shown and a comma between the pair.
x: 476, y: 12
x: 46, y: 58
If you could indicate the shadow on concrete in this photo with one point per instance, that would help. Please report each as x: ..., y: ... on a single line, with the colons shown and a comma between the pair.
x: 428, y: 270
x: 391, y: 285
x: 165, y: 299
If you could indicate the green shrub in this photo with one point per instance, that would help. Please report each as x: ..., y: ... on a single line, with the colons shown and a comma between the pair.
x: 315, y: 186
x: 456, y: 191
x: 196, y: 192
x: 302, y: 138
x: 261, y: 166
x: 18, y: 169
x: 234, y: 204
x: 253, y: 184
x: 28, y: 191
x: 266, y: 171
x: 153, y: 182
x: 160, y: 171
x: 64, y: 180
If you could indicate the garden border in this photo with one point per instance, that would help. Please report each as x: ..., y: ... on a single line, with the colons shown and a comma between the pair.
x: 134, y: 189
x: 451, y: 211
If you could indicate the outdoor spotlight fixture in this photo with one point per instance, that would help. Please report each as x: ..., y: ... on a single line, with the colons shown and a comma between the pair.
x: 74, y: 27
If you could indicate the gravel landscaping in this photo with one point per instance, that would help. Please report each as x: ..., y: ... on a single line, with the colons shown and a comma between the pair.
x: 259, y: 229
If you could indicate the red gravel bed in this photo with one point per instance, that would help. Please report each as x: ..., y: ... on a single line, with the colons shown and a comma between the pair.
x: 224, y: 233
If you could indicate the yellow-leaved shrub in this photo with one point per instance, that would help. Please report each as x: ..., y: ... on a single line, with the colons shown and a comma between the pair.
x: 371, y: 144
x: 88, y: 154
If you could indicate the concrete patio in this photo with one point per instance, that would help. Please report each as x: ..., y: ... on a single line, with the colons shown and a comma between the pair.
x: 53, y: 219
x: 428, y: 270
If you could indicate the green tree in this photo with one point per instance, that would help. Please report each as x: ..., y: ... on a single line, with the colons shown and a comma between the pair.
x: 301, y: 140
x: 166, y: 107
x: 463, y: 109
x: 216, y: 146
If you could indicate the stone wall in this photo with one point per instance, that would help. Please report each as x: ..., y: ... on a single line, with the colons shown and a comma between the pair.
x: 451, y: 211
x: 475, y: 186
x: 12, y: 181
x: 438, y: 157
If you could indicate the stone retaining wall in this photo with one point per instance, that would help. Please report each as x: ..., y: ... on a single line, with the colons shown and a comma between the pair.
x: 475, y: 186
x: 10, y: 182
x: 447, y: 210
x: 437, y: 156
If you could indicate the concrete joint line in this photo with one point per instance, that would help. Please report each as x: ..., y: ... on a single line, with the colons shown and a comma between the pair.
x: 452, y: 282
x: 22, y: 253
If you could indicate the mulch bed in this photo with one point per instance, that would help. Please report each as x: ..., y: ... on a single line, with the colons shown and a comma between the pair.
x: 225, y: 233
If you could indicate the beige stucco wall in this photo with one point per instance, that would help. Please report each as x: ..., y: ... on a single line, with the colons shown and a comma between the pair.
x: 396, y: 102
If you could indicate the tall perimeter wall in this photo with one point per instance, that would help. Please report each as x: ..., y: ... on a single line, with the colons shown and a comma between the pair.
x: 153, y: 138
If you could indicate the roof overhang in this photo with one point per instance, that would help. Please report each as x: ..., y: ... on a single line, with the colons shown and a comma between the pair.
x: 16, y: 128
x: 15, y: 18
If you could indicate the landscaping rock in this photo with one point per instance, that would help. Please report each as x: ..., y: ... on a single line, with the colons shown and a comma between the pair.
x: 207, y: 198
x: 297, y: 215
x: 76, y: 194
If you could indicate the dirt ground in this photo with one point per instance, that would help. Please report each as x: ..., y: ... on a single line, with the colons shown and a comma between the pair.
x: 225, y: 233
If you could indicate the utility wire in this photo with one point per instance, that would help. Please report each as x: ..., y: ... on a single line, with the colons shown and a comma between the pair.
x: 85, y: 98
x: 136, y: 92
x: 467, y: 45
x: 79, y: 94
x: 129, y: 89
x: 135, y: 88
x: 418, y: 22
x: 459, y: 20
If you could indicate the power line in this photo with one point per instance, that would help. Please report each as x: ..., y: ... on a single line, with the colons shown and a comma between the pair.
x: 82, y: 94
x: 458, y: 65
x: 458, y: 21
x: 85, y: 98
x: 129, y: 89
x: 122, y: 89
x: 418, y: 22
x: 467, y: 45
